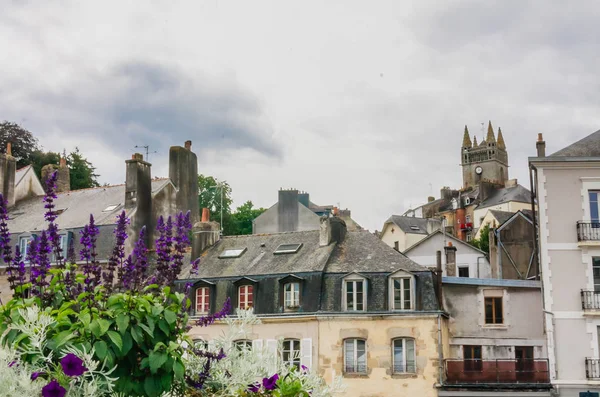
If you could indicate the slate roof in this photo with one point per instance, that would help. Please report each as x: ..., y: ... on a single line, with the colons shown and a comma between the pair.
x: 363, y: 252
x: 502, y: 216
x: 586, y: 147
x: 259, y: 259
x: 507, y: 194
x: 28, y: 215
x: 406, y: 224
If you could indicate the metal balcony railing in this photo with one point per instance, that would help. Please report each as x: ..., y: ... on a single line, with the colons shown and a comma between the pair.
x: 590, y: 300
x: 588, y: 231
x: 501, y: 371
x: 592, y: 368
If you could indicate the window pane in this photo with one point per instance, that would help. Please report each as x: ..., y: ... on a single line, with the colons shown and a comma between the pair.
x: 349, y: 355
x: 406, y: 285
x: 361, y: 356
x: 410, y: 355
x: 399, y: 356
x: 359, y: 295
x: 498, y: 310
x: 489, y: 311
x: 596, y: 271
x: 349, y: 295
x: 594, y: 206
x: 397, y: 296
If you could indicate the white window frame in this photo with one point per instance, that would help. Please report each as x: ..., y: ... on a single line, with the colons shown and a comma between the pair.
x: 291, y: 299
x: 469, y: 236
x: 243, y: 344
x: 294, y: 357
x: 404, y: 356
x: 355, y: 279
x: 24, y: 246
x: 402, y: 276
x: 205, y: 299
x: 355, y: 364
x: 246, y: 294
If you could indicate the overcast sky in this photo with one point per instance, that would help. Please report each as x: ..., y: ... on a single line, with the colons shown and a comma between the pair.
x: 360, y: 103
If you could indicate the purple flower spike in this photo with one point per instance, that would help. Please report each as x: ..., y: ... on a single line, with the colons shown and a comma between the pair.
x: 205, y: 321
x: 72, y: 365
x: 53, y: 389
x: 270, y: 383
x: 117, y: 258
x: 254, y: 388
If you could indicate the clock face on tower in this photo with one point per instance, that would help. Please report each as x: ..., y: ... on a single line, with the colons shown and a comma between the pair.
x: 478, y: 170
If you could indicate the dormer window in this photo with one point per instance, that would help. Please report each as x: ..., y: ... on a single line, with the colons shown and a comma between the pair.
x: 401, y: 286
x: 354, y: 296
x: 202, y: 300
x: 111, y: 208
x: 291, y: 295
x: 246, y: 297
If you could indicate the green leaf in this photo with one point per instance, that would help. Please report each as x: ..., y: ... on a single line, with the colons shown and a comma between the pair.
x: 170, y: 316
x: 101, y: 349
x: 122, y: 322
x: 178, y: 369
x: 137, y: 335
x: 164, y: 327
x: 147, y: 329
x: 63, y: 338
x: 85, y: 319
x: 167, y: 290
x: 150, y: 322
x: 127, y: 344
x: 99, y: 327
x: 116, y: 339
x: 157, y: 359
x: 166, y: 381
x: 156, y: 310
x: 152, y: 386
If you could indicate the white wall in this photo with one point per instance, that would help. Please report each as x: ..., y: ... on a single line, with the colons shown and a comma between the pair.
x: 425, y: 254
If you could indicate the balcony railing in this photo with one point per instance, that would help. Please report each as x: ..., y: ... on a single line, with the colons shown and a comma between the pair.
x: 466, y: 226
x: 592, y: 368
x: 590, y: 300
x: 588, y: 231
x: 502, y: 371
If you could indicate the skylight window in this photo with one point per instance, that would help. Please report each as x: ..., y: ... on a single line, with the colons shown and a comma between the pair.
x: 288, y: 249
x: 111, y: 208
x: 414, y: 227
x: 232, y: 253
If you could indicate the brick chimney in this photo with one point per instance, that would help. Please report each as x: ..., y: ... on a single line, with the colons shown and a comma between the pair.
x: 450, y: 251
x: 183, y: 172
x: 332, y: 229
x: 8, y: 170
x: 138, y: 194
x: 540, y: 145
x: 63, y: 180
x: 205, y: 234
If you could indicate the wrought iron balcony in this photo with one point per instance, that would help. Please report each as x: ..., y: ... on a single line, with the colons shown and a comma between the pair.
x: 592, y: 368
x: 590, y: 300
x: 501, y: 371
x: 588, y: 231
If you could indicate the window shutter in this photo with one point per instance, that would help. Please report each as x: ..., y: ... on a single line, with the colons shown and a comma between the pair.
x: 306, y: 352
x: 257, y: 345
x: 211, y: 346
x: 272, y: 355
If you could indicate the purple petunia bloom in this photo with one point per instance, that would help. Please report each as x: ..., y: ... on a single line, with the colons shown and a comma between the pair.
x: 36, y: 375
x: 304, y: 369
x: 254, y: 388
x: 270, y: 383
x: 72, y: 365
x: 53, y: 389
x: 12, y: 363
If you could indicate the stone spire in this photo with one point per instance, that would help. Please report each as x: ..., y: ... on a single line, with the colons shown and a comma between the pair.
x: 467, y: 138
x: 474, y: 141
x: 501, y: 144
x: 490, y: 135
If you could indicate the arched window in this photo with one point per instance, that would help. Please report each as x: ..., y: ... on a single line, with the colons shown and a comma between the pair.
x: 355, y: 356
x: 243, y: 344
x: 403, y: 356
x: 291, y: 352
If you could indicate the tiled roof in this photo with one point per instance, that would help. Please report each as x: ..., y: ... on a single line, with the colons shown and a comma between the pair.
x: 586, y: 147
x: 28, y: 215
x: 516, y: 193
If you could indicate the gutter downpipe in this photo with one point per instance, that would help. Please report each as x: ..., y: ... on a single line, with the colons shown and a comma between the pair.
x: 441, y: 350
x: 440, y: 288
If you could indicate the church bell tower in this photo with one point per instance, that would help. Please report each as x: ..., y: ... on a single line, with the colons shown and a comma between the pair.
x: 486, y: 161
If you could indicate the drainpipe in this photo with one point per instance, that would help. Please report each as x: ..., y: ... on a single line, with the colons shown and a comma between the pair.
x: 553, y: 341
x: 478, y: 258
x: 441, y: 350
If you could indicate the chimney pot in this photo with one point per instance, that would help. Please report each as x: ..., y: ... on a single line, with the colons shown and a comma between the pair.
x: 188, y: 145
x: 540, y: 145
x: 63, y: 162
x: 205, y: 215
x: 9, y: 149
x: 540, y: 137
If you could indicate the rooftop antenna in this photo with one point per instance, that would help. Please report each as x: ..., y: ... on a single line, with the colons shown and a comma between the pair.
x: 147, y: 147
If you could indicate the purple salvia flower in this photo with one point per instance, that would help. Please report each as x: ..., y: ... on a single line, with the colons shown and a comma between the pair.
x: 195, y: 264
x: 140, y: 260
x: 91, y: 268
x: 19, y: 273
x: 207, y: 320
x: 164, y: 244
x: 5, y: 245
x: 205, y: 373
x: 183, y: 225
x: 50, y: 217
x: 116, y: 260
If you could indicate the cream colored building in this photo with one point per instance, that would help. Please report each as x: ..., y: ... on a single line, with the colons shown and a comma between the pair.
x: 402, y: 232
x: 567, y: 185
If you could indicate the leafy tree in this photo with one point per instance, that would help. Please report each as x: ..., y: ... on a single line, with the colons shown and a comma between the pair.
x: 209, y: 196
x: 82, y: 172
x: 38, y: 159
x: 243, y: 217
x: 23, y: 142
x: 483, y: 242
